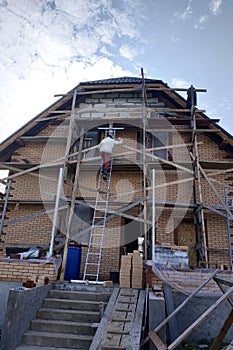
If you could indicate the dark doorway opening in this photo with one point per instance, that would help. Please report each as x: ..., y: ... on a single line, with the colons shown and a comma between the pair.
x: 132, y: 232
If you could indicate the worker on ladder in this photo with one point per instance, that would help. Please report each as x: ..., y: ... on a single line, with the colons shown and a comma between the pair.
x: 105, y: 150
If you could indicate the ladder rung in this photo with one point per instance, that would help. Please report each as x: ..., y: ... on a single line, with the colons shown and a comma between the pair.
x: 90, y: 253
x: 92, y: 263
x: 90, y: 274
x: 96, y: 234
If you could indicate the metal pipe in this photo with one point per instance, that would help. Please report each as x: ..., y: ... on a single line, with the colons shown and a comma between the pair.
x: 153, y: 214
x: 228, y: 227
x: 5, y: 206
x: 59, y: 186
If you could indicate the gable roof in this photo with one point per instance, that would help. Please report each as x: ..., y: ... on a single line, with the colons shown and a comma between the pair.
x: 33, y: 127
x: 122, y: 80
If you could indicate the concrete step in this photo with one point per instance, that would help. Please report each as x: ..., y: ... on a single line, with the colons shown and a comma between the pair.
x: 35, y: 347
x: 69, y: 315
x: 67, y: 320
x: 63, y: 326
x: 57, y: 303
x: 79, y: 295
x: 69, y: 341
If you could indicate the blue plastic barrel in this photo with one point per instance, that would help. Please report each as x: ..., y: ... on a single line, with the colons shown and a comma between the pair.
x: 73, y: 263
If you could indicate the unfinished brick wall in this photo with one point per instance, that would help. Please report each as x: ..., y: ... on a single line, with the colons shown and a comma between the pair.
x: 40, y: 152
x: 34, y: 232
x: 210, y: 151
x: 126, y: 184
x: 21, y: 271
x: 40, y: 185
x: 123, y: 185
x: 55, y: 130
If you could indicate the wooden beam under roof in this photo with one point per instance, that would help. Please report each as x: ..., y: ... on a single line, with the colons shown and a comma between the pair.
x: 133, y: 89
x: 43, y: 139
x: 132, y: 122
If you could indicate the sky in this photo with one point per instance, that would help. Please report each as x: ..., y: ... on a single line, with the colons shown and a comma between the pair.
x: 49, y: 46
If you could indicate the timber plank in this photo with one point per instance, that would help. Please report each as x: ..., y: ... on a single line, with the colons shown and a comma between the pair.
x: 223, y: 331
x: 157, y: 341
x: 136, y: 328
x: 95, y: 345
x: 122, y: 328
x: 106, y: 347
x: 173, y: 326
x: 133, y: 341
x: 201, y: 319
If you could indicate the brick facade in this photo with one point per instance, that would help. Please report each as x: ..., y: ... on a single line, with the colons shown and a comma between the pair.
x: 35, y: 192
x: 21, y: 271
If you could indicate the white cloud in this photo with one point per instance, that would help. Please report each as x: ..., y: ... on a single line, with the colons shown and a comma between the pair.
x: 48, y: 47
x: 174, y: 39
x: 179, y: 83
x: 28, y: 97
x: 186, y: 14
x: 199, y: 24
x: 215, y: 6
x: 128, y: 52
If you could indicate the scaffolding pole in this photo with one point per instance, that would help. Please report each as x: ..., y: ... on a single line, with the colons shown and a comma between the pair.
x: 70, y: 134
x: 59, y: 187
x: 199, y: 213
x: 72, y: 205
x: 153, y: 215
x: 144, y: 124
x: 228, y: 228
x: 5, y: 206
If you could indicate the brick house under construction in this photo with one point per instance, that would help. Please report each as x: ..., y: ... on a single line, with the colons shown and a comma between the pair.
x: 170, y: 183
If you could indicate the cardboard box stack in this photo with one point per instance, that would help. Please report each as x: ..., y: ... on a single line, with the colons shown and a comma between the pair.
x: 125, y: 271
x: 131, y: 271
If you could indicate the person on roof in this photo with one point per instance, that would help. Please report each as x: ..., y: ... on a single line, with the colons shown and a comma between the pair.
x: 105, y: 150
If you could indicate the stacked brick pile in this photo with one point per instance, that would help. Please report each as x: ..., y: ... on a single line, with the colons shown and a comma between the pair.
x: 131, y: 272
x: 125, y: 271
x: 137, y: 270
x: 21, y: 271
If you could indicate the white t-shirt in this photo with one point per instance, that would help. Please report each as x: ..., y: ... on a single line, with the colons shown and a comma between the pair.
x: 107, y: 144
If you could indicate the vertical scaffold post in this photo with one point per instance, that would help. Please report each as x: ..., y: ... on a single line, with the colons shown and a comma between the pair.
x: 70, y: 134
x: 144, y: 124
x: 59, y: 187
x: 197, y: 178
x: 72, y: 205
x: 228, y: 228
x: 153, y: 215
x: 5, y: 206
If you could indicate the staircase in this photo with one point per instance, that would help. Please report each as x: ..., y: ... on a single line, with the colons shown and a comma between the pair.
x: 68, y: 319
